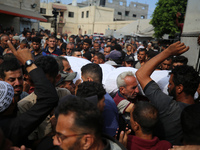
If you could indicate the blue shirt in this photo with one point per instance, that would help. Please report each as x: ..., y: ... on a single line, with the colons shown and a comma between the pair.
x: 110, y: 115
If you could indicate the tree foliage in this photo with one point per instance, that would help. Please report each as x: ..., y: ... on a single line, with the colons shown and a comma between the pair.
x: 164, y: 16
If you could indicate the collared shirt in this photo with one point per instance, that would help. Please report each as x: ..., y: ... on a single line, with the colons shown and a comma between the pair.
x: 56, y: 52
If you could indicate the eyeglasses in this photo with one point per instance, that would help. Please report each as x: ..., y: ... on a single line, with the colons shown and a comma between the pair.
x: 60, y: 137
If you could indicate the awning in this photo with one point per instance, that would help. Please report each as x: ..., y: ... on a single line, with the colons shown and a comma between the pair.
x: 61, y: 7
x: 5, y: 9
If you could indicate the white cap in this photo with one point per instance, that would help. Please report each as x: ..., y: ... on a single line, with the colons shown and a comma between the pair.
x: 6, y: 95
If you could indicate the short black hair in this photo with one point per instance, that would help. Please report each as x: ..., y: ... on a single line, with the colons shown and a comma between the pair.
x: 87, y: 116
x: 100, y: 56
x: 75, y: 50
x: 142, y: 50
x: 188, y: 77
x: 48, y: 65
x: 10, y: 64
x: 63, y: 46
x: 88, y: 41
x: 180, y: 59
x: 191, y: 124
x: 36, y: 39
x: 118, y: 47
x: 87, y: 89
x: 94, y: 71
x: 146, y: 115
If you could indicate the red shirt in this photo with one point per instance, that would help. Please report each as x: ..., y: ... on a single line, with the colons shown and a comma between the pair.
x: 136, y: 143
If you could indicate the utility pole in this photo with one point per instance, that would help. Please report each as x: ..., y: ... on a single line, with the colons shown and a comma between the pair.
x: 55, y: 14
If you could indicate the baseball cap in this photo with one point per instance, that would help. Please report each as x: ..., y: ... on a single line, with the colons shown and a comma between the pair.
x: 66, y: 76
x: 129, y: 58
x: 6, y: 95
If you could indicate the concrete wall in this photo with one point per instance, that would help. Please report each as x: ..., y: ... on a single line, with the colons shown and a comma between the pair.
x: 99, y: 19
x: 16, y: 22
x: 138, y: 9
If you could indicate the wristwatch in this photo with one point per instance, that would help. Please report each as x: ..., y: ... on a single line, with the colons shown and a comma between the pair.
x: 28, y: 63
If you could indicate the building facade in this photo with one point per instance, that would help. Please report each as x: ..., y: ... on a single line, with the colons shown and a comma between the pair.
x: 20, y: 14
x: 122, y: 9
x: 80, y: 20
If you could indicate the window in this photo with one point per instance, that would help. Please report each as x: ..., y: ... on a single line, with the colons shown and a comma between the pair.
x: 110, y: 1
x: 134, y: 15
x: 42, y: 10
x: 142, y: 17
x: 71, y: 14
x: 135, y: 5
x: 127, y: 13
x: 119, y: 13
x: 121, y: 3
x: 82, y: 16
x: 87, y: 14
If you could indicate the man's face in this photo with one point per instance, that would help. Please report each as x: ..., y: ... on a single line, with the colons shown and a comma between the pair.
x: 28, y: 35
x: 171, y: 87
x: 69, y: 49
x: 15, y: 78
x: 70, y: 86
x: 14, y: 41
x: 129, y: 48
x: 86, y: 46
x: 96, y: 47
x: 108, y: 43
x: 67, y: 67
x: 52, y: 42
x: 71, y: 40
x: 36, y: 46
x: 131, y: 90
x: 141, y: 56
x: 166, y: 64
x: 4, y: 41
x: 77, y: 54
x: 106, y: 51
x: 96, y: 60
x: 64, y: 126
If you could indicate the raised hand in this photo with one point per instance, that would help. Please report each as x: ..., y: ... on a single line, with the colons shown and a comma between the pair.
x: 177, y: 48
x: 21, y: 54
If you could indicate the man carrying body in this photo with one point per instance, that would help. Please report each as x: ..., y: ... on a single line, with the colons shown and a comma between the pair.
x: 98, y: 58
x: 93, y: 72
x: 127, y: 94
x: 182, y: 86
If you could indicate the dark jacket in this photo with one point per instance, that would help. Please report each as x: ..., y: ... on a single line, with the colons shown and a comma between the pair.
x: 18, y: 128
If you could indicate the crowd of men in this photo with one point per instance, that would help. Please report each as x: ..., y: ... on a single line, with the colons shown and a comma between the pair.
x: 43, y: 107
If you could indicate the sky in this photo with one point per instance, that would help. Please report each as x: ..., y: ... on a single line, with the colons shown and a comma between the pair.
x: 151, y: 4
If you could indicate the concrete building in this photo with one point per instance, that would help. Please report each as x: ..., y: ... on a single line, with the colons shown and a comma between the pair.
x: 80, y: 20
x: 20, y: 14
x: 122, y: 9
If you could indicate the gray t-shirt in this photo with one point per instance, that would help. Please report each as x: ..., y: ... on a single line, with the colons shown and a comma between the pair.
x: 169, y: 125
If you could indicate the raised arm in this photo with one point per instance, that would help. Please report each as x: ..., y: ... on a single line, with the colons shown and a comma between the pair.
x: 143, y: 74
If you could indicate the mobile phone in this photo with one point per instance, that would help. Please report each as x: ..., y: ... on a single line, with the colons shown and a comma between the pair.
x: 122, y: 125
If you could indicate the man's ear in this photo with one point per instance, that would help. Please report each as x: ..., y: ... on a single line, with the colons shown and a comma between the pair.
x: 179, y: 88
x: 87, y: 141
x: 122, y: 90
x: 135, y: 126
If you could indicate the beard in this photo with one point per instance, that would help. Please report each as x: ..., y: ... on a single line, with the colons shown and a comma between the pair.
x: 172, y: 92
